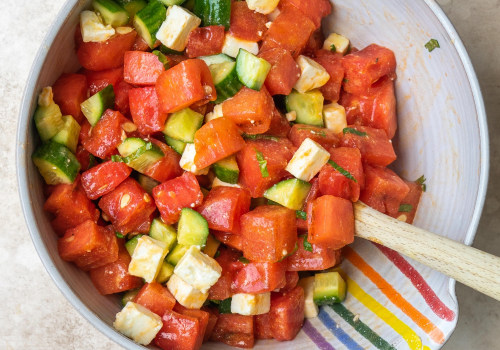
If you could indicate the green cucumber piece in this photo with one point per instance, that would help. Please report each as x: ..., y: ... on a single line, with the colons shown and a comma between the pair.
x: 129, y: 296
x: 48, y: 121
x: 189, y: 4
x: 111, y: 12
x: 182, y: 125
x: 252, y: 70
x: 171, y: 2
x: 226, y: 81
x: 225, y: 306
x: 227, y: 170
x: 131, y: 244
x: 308, y: 106
x: 166, y: 270
x: 133, y: 6
x: 148, y: 20
x: 215, y: 59
x: 177, y: 145
x: 192, y: 228
x: 69, y: 133
x: 176, y: 254
x: 56, y: 163
x: 329, y: 288
x: 212, y: 246
x: 94, y: 106
x: 168, y: 51
x: 147, y: 183
x: 162, y: 58
x: 139, y: 154
x: 213, y: 12
x: 290, y: 193
x: 163, y: 232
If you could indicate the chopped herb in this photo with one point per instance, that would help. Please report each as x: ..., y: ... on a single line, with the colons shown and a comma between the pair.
x: 162, y: 58
x: 243, y: 260
x: 333, y: 48
x: 354, y: 131
x: 421, y: 181
x: 92, y: 161
x: 432, y: 44
x: 225, y: 306
x: 405, y: 208
x: 307, y: 246
x: 217, y: 253
x: 262, y: 163
x: 314, y: 132
x: 119, y: 235
x: 345, y: 81
x: 342, y: 170
x: 117, y: 159
x: 260, y: 137
x: 301, y: 214
x: 376, y: 61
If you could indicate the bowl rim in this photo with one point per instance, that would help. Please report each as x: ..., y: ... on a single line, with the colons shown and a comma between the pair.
x: 22, y: 158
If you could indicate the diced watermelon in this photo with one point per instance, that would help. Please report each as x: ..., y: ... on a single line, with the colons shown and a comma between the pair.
x: 320, y: 258
x: 315, y: 10
x: 230, y: 239
x: 104, y: 178
x: 155, y: 297
x: 287, y: 313
x: 245, y: 23
x: 311, y: 196
x: 332, y: 62
x: 205, y: 41
x: 202, y: 316
x: 410, y: 202
x: 234, y: 330
x: 256, y: 278
x: 70, y: 90
x: 292, y: 279
x: 213, y: 314
x: 314, y: 43
x: 145, y: 110
x: 284, y: 71
x: 262, y: 326
x: 279, y: 127
x: 179, y: 332
x: 141, y: 68
x: 100, y: 79
x: 84, y: 158
x: 323, y: 136
x: 122, y: 90
x: 222, y: 289
x: 167, y: 167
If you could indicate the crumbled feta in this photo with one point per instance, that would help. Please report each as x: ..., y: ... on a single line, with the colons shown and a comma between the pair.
x: 174, y: 32
x: 216, y: 113
x: 251, y: 304
x: 263, y: 6
x: 312, y: 75
x: 187, y: 161
x: 93, y: 29
x: 334, y: 117
x: 198, y: 269
x: 311, y: 310
x: 138, y: 323
x: 147, y: 258
x: 308, y: 160
x: 341, y: 43
x: 291, y: 116
x: 232, y: 45
x: 185, y: 294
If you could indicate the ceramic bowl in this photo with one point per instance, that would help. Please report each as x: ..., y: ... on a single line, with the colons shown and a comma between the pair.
x: 393, y: 302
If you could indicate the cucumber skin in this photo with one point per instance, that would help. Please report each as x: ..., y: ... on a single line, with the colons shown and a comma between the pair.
x: 213, y: 12
x: 171, y: 2
x: 329, y: 294
x: 225, y: 173
x: 176, y: 145
x: 132, y: 6
x: 59, y: 156
x: 136, y: 159
x: 46, y: 128
x: 303, y: 105
x: 170, y: 238
x: 118, y: 16
x: 104, y: 99
x: 227, y: 87
x: 151, y: 17
x: 252, y: 71
x: 281, y: 193
x: 131, y: 244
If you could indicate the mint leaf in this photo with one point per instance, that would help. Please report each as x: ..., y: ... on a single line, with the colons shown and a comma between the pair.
x: 342, y: 171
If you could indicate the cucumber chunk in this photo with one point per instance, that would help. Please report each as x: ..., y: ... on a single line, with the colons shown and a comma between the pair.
x: 147, y: 183
x: 290, y: 193
x: 148, y: 20
x: 48, y: 121
x: 132, y: 6
x: 252, y: 70
x: 163, y: 232
x: 307, y: 106
x: 139, y: 154
x: 226, y: 81
x: 213, y: 12
x: 69, y: 133
x: 131, y: 244
x: 162, y: 58
x: 215, y: 59
x: 166, y: 270
x: 227, y: 170
x: 56, y: 163
x: 182, y: 125
x: 111, y: 12
x: 177, y: 145
x: 129, y: 296
x: 212, y: 246
x: 94, y: 106
x: 192, y: 228
x: 171, y: 2
x: 176, y: 254
x: 329, y: 288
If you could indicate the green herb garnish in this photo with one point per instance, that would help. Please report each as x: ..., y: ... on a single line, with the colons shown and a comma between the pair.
x: 307, y: 246
x: 354, y: 131
x: 342, y: 171
x: 314, y: 132
x: 301, y: 214
x: 271, y: 202
x: 119, y: 235
x: 217, y: 253
x: 262, y: 163
x: 116, y: 158
x: 260, y: 137
x: 92, y: 161
x: 405, y: 208
x: 162, y: 58
x: 333, y: 48
x: 225, y: 306
x: 421, y: 181
x: 432, y: 45
x: 243, y: 260
x: 345, y: 81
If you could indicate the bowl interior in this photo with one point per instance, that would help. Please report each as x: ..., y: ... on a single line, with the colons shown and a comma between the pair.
x: 442, y: 134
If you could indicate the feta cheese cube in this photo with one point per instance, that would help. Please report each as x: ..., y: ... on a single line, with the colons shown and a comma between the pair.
x: 251, y: 304
x: 93, y: 29
x: 147, y: 258
x: 341, y: 43
x: 216, y: 113
x: 232, y: 45
x: 174, y: 32
x: 311, y: 310
x: 187, y: 161
x: 138, y: 323
x: 334, y: 117
x: 312, y: 75
x: 263, y: 6
x: 308, y: 160
x: 218, y: 182
x: 185, y: 294
x: 198, y: 269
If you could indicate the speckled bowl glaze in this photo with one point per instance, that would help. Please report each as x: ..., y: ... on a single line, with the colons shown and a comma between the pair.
x: 393, y: 302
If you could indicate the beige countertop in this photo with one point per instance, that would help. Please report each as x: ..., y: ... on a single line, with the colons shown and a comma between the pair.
x: 35, y: 315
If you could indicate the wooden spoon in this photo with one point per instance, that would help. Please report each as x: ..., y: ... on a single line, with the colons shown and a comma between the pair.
x: 470, y: 266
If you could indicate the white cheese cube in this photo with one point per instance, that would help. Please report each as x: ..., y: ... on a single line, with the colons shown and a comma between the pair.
x: 147, y: 258
x: 263, y: 6
x: 232, y: 45
x: 187, y: 161
x: 185, y: 294
x: 218, y: 182
x: 251, y: 304
x: 312, y: 75
x: 308, y: 160
x: 198, y: 269
x: 334, y: 117
x: 311, y: 310
x: 93, y: 29
x: 174, y: 32
x: 216, y: 113
x: 46, y: 97
x: 341, y: 43
x: 138, y: 323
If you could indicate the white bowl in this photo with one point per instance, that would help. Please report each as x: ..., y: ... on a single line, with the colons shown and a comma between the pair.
x: 442, y: 134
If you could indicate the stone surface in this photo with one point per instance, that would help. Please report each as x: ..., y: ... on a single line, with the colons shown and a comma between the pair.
x: 35, y: 315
